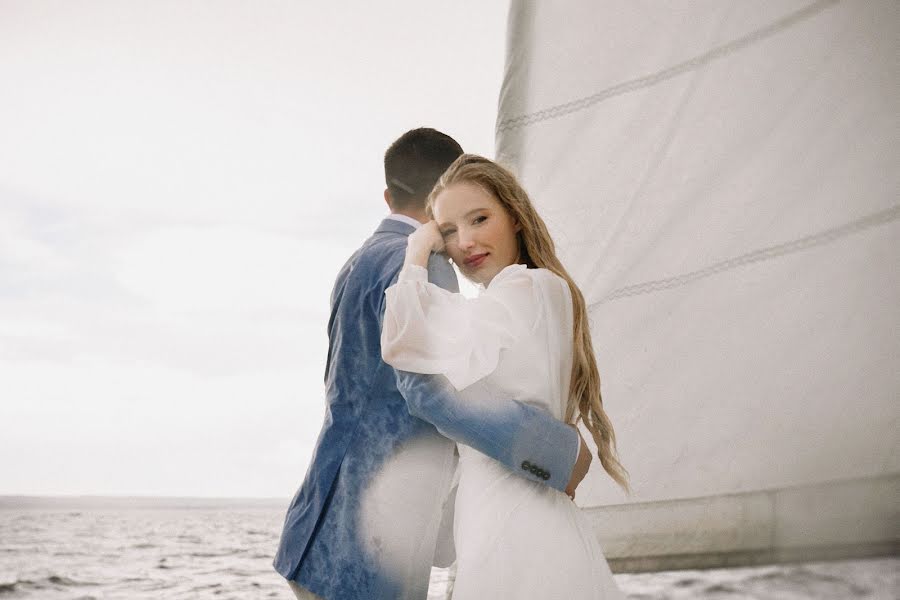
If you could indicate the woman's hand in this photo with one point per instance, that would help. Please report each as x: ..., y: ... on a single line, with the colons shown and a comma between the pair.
x: 422, y: 242
x: 582, y: 464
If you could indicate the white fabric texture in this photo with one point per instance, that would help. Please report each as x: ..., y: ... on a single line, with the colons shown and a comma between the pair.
x: 722, y: 180
x: 447, y: 333
x: 302, y: 593
x: 515, y: 538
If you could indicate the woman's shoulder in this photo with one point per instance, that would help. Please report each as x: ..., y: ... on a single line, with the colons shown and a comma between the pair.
x: 517, y: 272
x: 514, y: 279
x: 522, y: 278
x: 508, y: 274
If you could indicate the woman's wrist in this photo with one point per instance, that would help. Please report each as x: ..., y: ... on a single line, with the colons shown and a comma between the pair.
x: 421, y: 243
x: 413, y: 273
x: 417, y: 256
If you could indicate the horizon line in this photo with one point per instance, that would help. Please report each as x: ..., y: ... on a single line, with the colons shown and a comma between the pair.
x: 124, y: 502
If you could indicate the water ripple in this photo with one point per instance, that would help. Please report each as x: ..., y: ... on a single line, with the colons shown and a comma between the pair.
x: 197, y: 554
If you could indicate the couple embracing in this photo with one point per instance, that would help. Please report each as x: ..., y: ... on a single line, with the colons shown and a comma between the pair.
x: 448, y: 430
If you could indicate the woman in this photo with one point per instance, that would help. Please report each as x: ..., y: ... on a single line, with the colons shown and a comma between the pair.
x: 526, y: 337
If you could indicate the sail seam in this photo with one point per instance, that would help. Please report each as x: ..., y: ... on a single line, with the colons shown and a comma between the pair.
x: 560, y: 110
x: 804, y: 243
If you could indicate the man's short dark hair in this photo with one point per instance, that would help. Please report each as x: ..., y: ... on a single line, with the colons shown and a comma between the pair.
x: 415, y: 162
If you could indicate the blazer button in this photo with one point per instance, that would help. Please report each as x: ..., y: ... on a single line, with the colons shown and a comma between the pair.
x: 526, y: 465
x: 546, y: 476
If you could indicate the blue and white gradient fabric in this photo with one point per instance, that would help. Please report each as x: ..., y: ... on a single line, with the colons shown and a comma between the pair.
x: 374, y: 512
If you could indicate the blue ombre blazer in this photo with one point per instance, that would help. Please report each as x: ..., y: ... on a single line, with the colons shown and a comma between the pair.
x: 373, y: 508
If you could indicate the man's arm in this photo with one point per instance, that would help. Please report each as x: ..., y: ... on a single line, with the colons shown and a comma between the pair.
x: 526, y: 439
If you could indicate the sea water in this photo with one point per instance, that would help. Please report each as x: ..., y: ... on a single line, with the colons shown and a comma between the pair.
x: 135, y: 549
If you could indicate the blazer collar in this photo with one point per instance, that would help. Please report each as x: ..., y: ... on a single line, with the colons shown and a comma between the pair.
x: 395, y: 226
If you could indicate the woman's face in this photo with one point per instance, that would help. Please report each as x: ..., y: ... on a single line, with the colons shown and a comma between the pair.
x: 479, y: 234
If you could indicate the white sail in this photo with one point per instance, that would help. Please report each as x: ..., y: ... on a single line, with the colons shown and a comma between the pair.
x: 723, y: 181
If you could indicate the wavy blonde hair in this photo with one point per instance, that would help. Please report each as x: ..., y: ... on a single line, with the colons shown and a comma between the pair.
x: 537, y: 250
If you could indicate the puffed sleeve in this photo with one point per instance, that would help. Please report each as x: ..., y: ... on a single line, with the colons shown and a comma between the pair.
x: 430, y: 330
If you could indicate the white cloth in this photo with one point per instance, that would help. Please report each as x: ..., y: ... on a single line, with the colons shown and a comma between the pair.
x: 301, y: 592
x: 722, y: 180
x: 514, y: 538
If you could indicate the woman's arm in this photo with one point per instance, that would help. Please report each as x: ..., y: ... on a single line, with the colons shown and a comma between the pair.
x: 421, y: 243
x: 429, y: 330
x: 527, y: 440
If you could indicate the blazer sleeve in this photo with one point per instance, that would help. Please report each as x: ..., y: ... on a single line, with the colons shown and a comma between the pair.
x: 525, y: 439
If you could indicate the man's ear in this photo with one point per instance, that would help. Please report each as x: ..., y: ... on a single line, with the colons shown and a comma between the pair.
x: 518, y: 226
x: 388, y: 199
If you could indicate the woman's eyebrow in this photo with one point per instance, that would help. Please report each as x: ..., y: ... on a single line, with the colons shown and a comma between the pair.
x: 468, y: 214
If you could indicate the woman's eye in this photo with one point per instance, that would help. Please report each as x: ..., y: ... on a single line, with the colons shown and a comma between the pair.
x: 479, y: 220
x: 447, y: 232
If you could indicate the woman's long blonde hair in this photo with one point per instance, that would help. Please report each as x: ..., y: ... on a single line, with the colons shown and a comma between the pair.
x: 537, y: 251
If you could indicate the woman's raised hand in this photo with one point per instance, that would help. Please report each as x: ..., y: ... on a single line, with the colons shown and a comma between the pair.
x: 422, y: 242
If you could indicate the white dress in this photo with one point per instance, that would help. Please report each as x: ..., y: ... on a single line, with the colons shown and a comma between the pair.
x: 515, y: 538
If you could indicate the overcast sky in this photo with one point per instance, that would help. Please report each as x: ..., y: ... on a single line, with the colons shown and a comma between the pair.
x: 179, y: 184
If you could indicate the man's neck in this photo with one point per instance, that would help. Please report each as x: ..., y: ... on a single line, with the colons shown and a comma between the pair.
x: 401, y: 218
x: 420, y: 216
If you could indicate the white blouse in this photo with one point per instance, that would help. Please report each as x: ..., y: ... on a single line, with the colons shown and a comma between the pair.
x: 517, y: 334
x: 513, y: 342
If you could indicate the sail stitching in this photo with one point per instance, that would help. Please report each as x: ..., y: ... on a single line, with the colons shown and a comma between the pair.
x: 560, y: 110
x: 818, y: 239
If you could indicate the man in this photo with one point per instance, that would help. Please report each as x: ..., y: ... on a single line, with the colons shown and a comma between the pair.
x: 373, y: 513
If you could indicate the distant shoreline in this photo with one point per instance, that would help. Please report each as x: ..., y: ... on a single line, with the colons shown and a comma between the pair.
x: 87, y: 502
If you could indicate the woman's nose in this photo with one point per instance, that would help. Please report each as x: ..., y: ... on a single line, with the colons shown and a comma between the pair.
x: 465, y: 240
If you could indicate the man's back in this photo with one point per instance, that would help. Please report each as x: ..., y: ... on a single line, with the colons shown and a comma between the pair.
x: 364, y: 522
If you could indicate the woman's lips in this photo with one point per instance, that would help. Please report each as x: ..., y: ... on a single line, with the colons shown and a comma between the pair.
x: 476, y: 260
